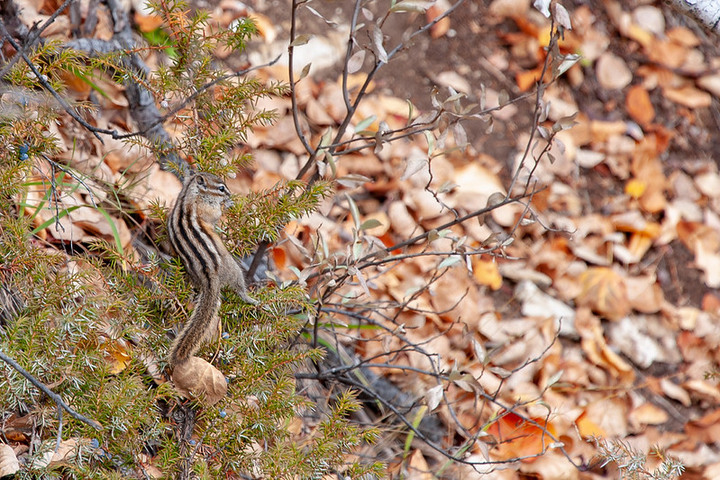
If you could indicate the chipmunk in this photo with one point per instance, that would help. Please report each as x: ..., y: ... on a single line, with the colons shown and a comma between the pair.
x: 191, y: 229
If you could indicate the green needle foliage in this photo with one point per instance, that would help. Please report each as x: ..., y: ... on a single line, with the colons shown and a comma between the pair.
x: 94, y: 323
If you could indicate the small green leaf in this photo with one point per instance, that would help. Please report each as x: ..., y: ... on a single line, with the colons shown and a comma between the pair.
x: 370, y: 223
x: 364, y: 123
x: 301, y: 40
x: 304, y: 72
x: 353, y: 180
x: 450, y: 261
x: 354, y: 212
x: 416, y: 6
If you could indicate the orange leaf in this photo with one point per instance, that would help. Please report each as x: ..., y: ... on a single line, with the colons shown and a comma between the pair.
x: 148, y: 23
x: 639, y: 244
x: 526, y: 80
x: 279, y: 257
x: 639, y: 106
x: 117, y: 356
x: 441, y: 27
x: 588, y: 428
x: 486, y: 273
x: 603, y: 290
x: 683, y: 36
x: 518, y: 437
x: 640, y: 35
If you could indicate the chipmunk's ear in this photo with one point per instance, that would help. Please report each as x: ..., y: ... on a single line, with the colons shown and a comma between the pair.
x: 201, y: 180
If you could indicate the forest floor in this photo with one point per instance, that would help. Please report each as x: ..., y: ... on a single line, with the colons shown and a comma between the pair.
x: 632, y: 206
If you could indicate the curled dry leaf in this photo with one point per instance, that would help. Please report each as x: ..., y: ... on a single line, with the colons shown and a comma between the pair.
x: 597, y: 350
x: 587, y: 427
x: 675, y: 391
x: 117, y: 354
x: 649, y: 414
x: 688, y: 96
x: 8, y: 461
x: 604, y: 291
x: 65, y: 454
x: 196, y: 378
x: 709, y: 263
x: 536, y: 303
x: 442, y: 26
x: 433, y: 397
x: 518, y: 437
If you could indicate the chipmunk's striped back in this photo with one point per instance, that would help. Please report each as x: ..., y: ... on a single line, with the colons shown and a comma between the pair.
x: 191, y: 229
x: 191, y: 226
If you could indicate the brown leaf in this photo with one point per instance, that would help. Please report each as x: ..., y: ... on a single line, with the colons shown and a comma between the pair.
x: 705, y: 429
x: 688, y: 96
x: 148, y: 23
x: 644, y: 294
x: 196, y: 378
x: 116, y: 354
x: 441, y: 27
x: 683, y: 36
x: 8, y: 461
x: 649, y: 414
x: 639, y: 106
x: 667, y: 53
x: 518, y: 437
x: 418, y: 468
x: 604, y: 291
x: 612, y: 72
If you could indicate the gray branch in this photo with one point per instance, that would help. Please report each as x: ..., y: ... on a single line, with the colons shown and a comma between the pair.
x: 706, y: 12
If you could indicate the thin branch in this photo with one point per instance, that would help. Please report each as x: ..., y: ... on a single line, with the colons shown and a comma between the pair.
x: 185, y: 102
x: 291, y: 77
x: 363, y: 89
x: 58, y: 400
x: 538, y: 109
x: 46, y: 85
x: 32, y: 36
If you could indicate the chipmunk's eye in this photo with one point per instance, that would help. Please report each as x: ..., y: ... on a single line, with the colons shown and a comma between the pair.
x: 223, y: 189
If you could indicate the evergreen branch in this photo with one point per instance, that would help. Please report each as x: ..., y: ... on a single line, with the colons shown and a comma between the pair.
x: 41, y: 386
x: 42, y: 79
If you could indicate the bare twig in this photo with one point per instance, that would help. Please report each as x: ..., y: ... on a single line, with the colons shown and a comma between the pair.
x: 32, y: 36
x: 291, y: 76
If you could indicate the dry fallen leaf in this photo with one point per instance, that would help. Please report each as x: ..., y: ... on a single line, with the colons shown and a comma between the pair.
x: 639, y: 106
x: 486, y: 273
x: 116, y: 354
x: 517, y: 437
x: 604, y: 291
x: 196, y: 378
x: 612, y: 72
x: 649, y: 414
x: 418, y: 468
x: 8, y: 461
x: 688, y: 96
x: 587, y: 428
x: 708, y: 262
x: 442, y: 26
